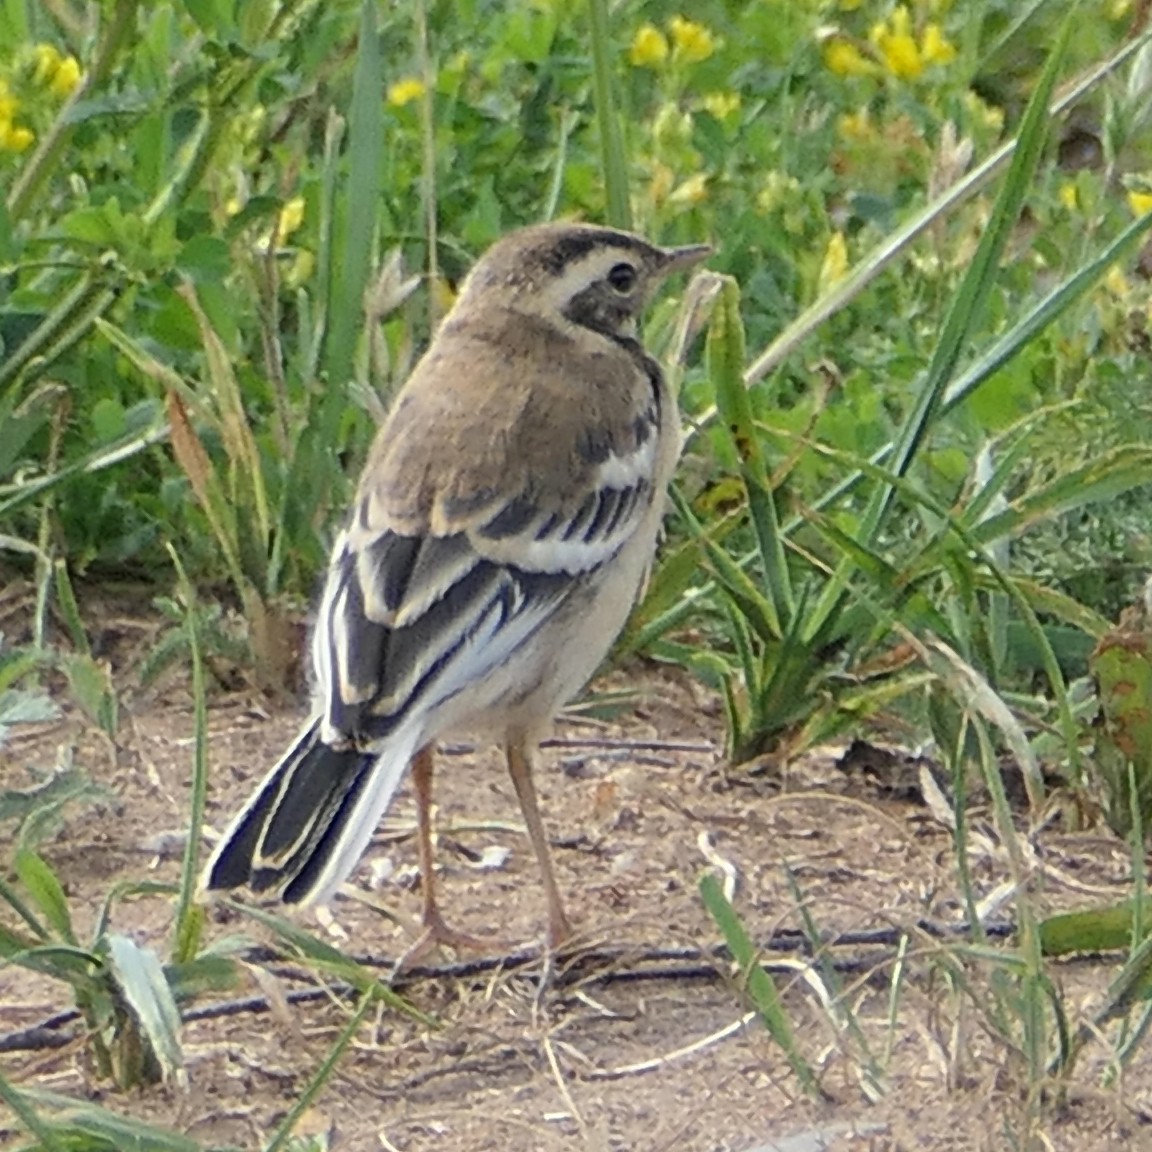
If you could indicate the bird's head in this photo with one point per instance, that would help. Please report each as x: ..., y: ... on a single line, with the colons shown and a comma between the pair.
x: 598, y: 278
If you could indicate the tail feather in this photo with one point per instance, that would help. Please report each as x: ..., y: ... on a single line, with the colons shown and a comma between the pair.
x: 310, y: 820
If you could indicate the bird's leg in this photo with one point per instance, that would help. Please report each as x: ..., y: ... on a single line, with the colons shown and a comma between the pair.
x: 520, y: 769
x: 436, y: 931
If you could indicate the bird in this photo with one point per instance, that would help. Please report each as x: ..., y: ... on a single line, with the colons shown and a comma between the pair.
x: 501, y: 531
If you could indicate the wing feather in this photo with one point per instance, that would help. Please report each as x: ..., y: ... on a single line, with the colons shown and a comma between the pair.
x: 427, y: 594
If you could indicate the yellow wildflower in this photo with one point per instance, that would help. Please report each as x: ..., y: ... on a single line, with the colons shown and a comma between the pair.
x: 856, y: 126
x: 694, y: 190
x: 13, y: 139
x: 1069, y: 196
x: 233, y: 206
x: 8, y: 103
x: 934, y: 47
x: 905, y: 56
x: 843, y: 58
x: 65, y: 78
x: 300, y: 270
x: 849, y: 5
x: 1116, y: 282
x: 405, y: 91
x: 649, y: 47
x: 47, y: 59
x: 692, y: 42
x: 834, y: 266
x: 443, y: 295
x: 1140, y: 202
x: 291, y: 217
x: 897, y: 46
x: 722, y: 104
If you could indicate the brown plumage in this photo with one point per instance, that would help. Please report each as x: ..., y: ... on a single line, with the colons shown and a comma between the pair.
x: 500, y: 533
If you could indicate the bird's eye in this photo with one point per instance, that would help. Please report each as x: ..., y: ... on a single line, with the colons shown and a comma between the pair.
x: 622, y: 277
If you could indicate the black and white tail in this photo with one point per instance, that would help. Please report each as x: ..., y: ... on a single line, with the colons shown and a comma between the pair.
x: 310, y: 821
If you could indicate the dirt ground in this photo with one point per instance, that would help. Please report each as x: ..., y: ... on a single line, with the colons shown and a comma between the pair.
x: 640, y: 1047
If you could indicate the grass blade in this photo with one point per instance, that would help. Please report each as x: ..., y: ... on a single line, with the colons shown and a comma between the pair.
x: 362, y: 195
x: 28, y: 1116
x: 45, y: 889
x: 757, y: 982
x: 612, y: 158
x: 367, y: 999
x: 189, y: 915
x: 725, y: 359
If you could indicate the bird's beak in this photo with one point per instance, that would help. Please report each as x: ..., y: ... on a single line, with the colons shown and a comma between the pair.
x: 677, y: 259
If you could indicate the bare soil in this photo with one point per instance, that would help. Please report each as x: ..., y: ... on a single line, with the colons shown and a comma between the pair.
x: 634, y: 1045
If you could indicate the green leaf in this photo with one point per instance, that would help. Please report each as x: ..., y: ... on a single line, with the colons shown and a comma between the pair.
x: 757, y: 982
x: 85, y: 1127
x: 141, y: 978
x: 326, y: 958
x: 362, y: 193
x: 207, y: 973
x: 1106, y: 929
x: 92, y: 688
x: 26, y: 1113
x: 73, y: 965
x: 45, y: 890
x: 1105, y: 477
x: 725, y: 360
x: 614, y: 164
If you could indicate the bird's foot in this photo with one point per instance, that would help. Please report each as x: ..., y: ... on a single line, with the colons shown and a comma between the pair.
x: 438, y: 934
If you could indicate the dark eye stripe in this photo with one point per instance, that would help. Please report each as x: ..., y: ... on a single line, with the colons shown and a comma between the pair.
x: 563, y: 251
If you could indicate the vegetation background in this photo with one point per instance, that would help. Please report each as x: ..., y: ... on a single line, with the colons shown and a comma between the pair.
x: 917, y: 464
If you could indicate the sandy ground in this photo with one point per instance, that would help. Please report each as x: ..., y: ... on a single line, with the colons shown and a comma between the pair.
x: 645, y: 1040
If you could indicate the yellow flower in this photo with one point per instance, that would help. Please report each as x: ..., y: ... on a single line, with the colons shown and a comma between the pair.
x: 934, y: 47
x: 65, y: 78
x: 443, y: 295
x: 291, y: 217
x: 904, y: 56
x: 856, y: 126
x: 722, y: 104
x: 9, y: 105
x: 897, y: 46
x: 649, y: 47
x: 301, y: 269
x: 13, y: 139
x: 405, y: 91
x: 694, y: 190
x: 834, y: 266
x: 1069, y: 196
x: 843, y: 58
x: 1116, y: 282
x: 1140, y: 202
x: 47, y: 59
x: 692, y: 42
